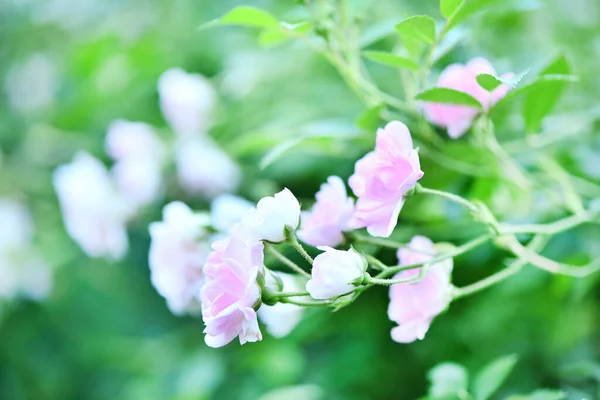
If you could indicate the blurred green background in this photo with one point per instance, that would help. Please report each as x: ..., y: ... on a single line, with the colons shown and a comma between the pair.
x: 68, y: 68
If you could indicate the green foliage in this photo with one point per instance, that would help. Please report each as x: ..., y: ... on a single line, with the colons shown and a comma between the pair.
x: 391, y: 60
x: 449, y: 7
x: 249, y: 16
x: 542, y: 394
x: 468, y: 9
x: 541, y: 98
x: 491, y: 377
x: 448, y: 381
x: 419, y: 27
x: 488, y: 82
x: 448, y: 96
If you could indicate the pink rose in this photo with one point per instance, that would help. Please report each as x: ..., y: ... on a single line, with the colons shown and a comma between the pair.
x: 324, y: 224
x: 381, y: 179
x: 231, y: 292
x: 458, y: 119
x: 413, y: 306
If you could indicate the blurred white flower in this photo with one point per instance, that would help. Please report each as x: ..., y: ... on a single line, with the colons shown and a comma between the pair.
x: 281, y: 318
x: 226, y: 210
x: 22, y: 271
x: 139, y: 180
x: 31, y: 85
x: 204, y: 169
x: 178, y: 251
x: 140, y: 155
x: 126, y: 139
x: 94, y: 213
x: 186, y: 101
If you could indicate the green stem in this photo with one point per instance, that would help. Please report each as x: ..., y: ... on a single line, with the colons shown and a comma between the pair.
x: 293, y: 241
x: 325, y: 303
x: 549, y: 229
x: 289, y: 294
x: 440, y: 257
x: 292, y: 265
x: 388, y: 282
x: 536, y: 244
x: 375, y: 262
x: 449, y: 196
x: 513, y: 245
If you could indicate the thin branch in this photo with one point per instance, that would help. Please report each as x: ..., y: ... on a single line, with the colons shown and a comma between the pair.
x: 292, y: 265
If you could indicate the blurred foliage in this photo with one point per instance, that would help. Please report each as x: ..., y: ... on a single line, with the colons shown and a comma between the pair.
x: 70, y: 68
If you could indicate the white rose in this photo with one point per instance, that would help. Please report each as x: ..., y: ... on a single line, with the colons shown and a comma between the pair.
x: 334, y: 271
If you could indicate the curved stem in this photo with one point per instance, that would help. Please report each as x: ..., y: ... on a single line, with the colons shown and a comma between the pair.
x: 292, y: 265
x: 512, y: 244
x: 536, y: 244
x: 440, y: 257
x: 450, y: 196
x: 375, y: 262
x: 387, y: 282
x: 293, y: 241
x: 550, y: 228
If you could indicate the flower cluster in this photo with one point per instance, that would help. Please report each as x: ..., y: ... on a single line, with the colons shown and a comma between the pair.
x: 97, y: 204
x: 234, y: 288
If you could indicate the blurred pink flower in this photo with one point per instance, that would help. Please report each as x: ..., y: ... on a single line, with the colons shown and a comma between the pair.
x: 270, y: 218
x: 204, y: 169
x: 413, y: 306
x: 178, y: 251
x: 94, y: 212
x: 186, y: 101
x: 458, y: 119
x: 381, y: 179
x: 324, y: 224
x: 231, y: 292
x: 334, y: 272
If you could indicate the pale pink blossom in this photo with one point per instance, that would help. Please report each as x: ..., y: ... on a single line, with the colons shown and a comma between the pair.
x: 204, y: 169
x: 282, y: 318
x: 334, y: 272
x: 414, y: 305
x: 324, y: 224
x: 178, y: 251
x: 458, y: 119
x: 186, y: 100
x: 93, y: 211
x: 127, y: 139
x: 381, y: 179
x: 270, y: 218
x: 231, y: 292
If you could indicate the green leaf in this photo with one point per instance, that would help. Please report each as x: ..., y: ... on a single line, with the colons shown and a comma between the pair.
x: 493, y: 376
x: 469, y: 8
x: 488, y: 82
x: 245, y: 16
x: 420, y: 27
x: 540, y: 100
x: 369, y: 120
x: 391, y: 60
x: 448, y: 96
x: 542, y: 394
x: 274, y: 36
x: 448, y: 380
x: 450, y: 7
